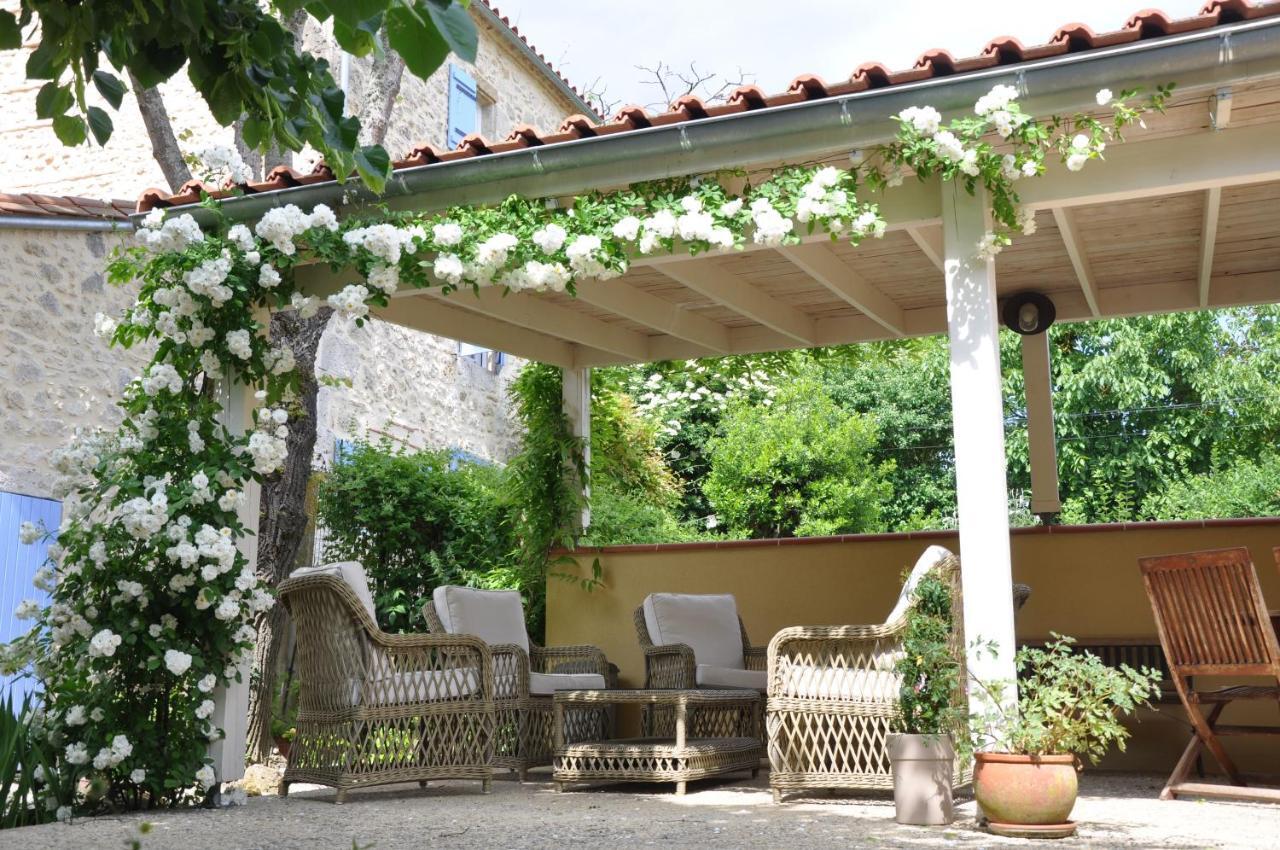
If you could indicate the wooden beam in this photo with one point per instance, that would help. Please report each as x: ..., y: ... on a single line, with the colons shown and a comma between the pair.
x: 1233, y: 157
x: 929, y: 240
x: 729, y: 290
x: 534, y: 313
x: 659, y: 314
x: 1079, y: 260
x: 1208, y: 238
x: 424, y: 313
x: 821, y: 263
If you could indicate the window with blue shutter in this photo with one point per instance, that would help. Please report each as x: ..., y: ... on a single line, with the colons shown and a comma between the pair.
x: 18, y: 565
x: 341, y: 450
x: 463, y: 111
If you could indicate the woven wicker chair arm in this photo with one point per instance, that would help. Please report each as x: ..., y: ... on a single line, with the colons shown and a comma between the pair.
x: 510, y: 670
x: 581, y: 659
x: 756, y: 657
x: 793, y: 638
x: 669, y: 666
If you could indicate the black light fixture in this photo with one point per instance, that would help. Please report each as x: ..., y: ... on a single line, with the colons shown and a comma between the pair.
x: 1028, y: 313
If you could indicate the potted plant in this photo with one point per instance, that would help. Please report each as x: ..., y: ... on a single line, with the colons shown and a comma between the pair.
x: 922, y: 750
x: 1069, y: 708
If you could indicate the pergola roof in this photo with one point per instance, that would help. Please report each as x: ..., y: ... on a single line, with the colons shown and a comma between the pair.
x: 1184, y: 215
x: 1000, y: 52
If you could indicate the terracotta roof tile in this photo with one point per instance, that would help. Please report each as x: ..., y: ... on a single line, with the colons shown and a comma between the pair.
x: 1000, y: 51
x: 63, y: 206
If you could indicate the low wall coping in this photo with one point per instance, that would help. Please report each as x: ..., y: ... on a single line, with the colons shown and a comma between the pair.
x: 1101, y: 528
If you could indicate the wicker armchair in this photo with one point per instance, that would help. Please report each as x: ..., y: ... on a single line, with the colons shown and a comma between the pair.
x: 675, y: 666
x: 524, y: 682
x: 376, y: 708
x: 833, y: 695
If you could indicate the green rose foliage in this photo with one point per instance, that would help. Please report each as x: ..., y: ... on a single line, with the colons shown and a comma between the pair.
x: 798, y: 467
x: 930, y: 664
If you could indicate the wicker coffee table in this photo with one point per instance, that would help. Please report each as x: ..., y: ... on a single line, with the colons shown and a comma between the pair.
x: 716, y: 731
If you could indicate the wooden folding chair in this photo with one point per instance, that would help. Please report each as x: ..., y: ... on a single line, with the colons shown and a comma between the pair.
x: 1213, y: 622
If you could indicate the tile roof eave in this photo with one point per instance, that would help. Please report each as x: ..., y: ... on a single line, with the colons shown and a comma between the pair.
x: 935, y: 70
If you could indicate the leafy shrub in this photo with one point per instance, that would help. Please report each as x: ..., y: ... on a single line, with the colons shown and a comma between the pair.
x: 414, y: 523
x: 28, y: 771
x: 800, y: 466
x: 619, y: 518
x: 1248, y: 488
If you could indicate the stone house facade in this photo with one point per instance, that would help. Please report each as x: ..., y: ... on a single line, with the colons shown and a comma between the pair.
x: 56, y: 376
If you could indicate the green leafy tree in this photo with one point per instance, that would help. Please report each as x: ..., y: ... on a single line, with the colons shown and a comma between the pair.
x: 240, y: 58
x: 414, y: 523
x: 1247, y: 488
x: 797, y: 465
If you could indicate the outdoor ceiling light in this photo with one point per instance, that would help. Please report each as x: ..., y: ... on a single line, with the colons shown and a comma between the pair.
x: 1028, y: 313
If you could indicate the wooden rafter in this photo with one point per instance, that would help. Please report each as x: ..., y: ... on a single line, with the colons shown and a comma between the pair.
x: 661, y: 315
x: 929, y: 240
x: 821, y: 264
x: 1079, y: 260
x: 729, y: 290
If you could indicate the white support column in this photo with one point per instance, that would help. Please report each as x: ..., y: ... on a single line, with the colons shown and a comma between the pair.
x: 577, y: 406
x: 231, y: 704
x: 977, y: 408
x: 1042, y: 448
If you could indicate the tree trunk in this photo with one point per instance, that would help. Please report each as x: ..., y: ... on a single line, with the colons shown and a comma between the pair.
x: 283, y: 517
x: 381, y: 89
x: 164, y: 144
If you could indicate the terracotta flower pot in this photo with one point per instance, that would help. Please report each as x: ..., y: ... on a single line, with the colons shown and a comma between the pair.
x: 922, y: 774
x: 1025, y: 790
x: 282, y: 744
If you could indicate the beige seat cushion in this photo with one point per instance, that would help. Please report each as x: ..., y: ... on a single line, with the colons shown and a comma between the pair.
x: 544, y: 684
x: 709, y: 676
x: 706, y: 623
x: 424, y: 686
x: 349, y: 571
x: 494, y: 616
x: 837, y: 683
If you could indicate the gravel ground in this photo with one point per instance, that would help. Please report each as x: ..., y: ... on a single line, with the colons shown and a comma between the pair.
x: 1114, y: 810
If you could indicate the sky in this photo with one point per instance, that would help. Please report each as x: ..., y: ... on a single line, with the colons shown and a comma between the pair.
x: 599, y: 44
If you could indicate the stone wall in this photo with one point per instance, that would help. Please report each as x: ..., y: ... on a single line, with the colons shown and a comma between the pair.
x: 55, y: 375
x: 384, y: 381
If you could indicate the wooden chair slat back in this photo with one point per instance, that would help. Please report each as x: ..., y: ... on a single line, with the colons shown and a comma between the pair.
x: 1210, y: 613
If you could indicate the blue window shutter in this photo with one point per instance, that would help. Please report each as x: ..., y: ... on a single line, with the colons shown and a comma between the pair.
x: 463, y: 112
x: 341, y: 450
x: 18, y: 564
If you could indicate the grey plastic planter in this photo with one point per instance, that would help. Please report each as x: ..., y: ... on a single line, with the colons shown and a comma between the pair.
x: 922, y: 776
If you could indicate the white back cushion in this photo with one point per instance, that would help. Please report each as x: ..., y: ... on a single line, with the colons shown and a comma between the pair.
x: 932, y: 556
x: 494, y: 616
x: 707, y: 623
x: 349, y: 571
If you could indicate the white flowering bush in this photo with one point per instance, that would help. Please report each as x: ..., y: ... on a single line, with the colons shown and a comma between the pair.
x: 153, y: 600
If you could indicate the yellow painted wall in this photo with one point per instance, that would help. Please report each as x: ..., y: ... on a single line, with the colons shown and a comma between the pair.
x: 1084, y: 580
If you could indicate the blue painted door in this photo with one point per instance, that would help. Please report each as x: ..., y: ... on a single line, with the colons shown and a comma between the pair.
x: 463, y: 111
x: 18, y: 564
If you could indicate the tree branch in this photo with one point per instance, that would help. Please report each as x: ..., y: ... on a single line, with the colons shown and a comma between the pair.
x: 382, y: 87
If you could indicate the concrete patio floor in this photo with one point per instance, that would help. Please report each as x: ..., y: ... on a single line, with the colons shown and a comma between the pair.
x: 1114, y: 810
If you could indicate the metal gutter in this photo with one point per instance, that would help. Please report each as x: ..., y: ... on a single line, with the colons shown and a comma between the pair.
x: 521, y: 46
x: 50, y: 222
x: 1223, y: 55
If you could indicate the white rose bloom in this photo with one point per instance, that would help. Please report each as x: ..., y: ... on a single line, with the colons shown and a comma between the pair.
x: 351, y: 301
x: 238, y: 343
x: 1103, y: 97
x: 323, y: 217
x: 268, y: 277
x: 138, y: 776
x: 104, y: 644
x: 205, y: 777
x: 207, y: 684
x: 77, y: 753
x: 178, y: 662
x: 446, y: 233
x: 28, y: 609
x: 549, y: 239
x: 627, y: 229
x: 76, y: 716
x: 103, y: 325
x: 731, y: 208
x: 307, y: 306
x: 205, y: 709
x: 240, y: 236
x: 1076, y: 161
x: 1029, y: 168
x: 449, y: 268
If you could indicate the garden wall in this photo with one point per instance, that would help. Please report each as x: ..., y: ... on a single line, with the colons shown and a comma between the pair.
x: 1084, y: 580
